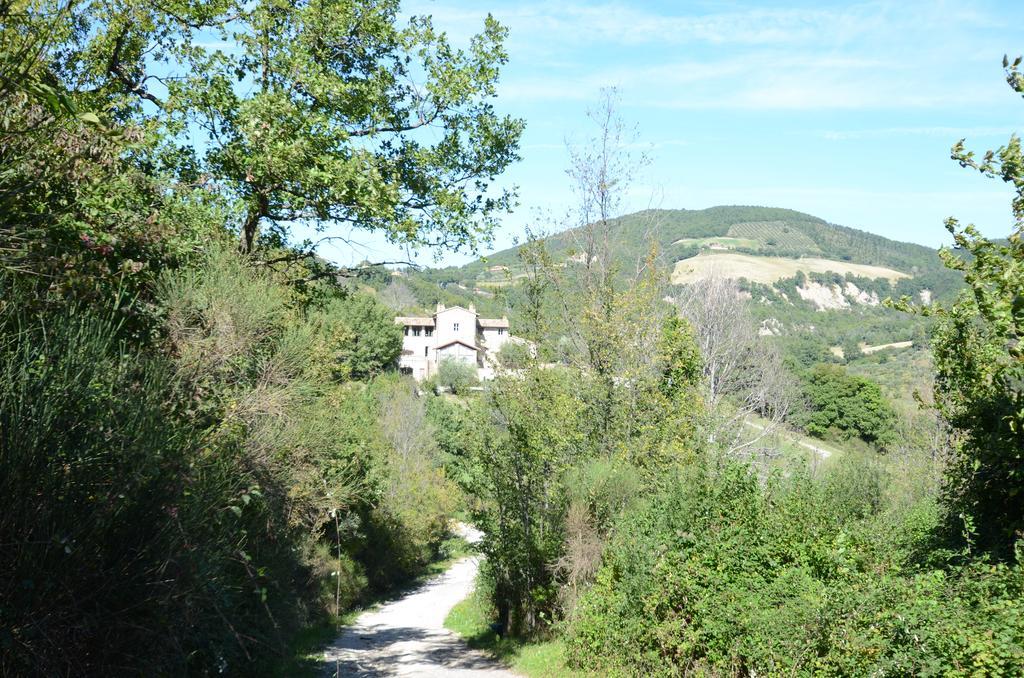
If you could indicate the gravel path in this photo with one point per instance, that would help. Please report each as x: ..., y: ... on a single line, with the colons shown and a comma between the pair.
x: 820, y: 451
x: 407, y: 637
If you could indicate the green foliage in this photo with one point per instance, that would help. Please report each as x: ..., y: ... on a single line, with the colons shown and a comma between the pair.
x: 473, y: 620
x: 796, y: 234
x: 847, y: 405
x: 803, y: 351
x: 229, y: 481
x: 678, y: 358
x: 457, y: 376
x: 721, y: 575
x: 200, y: 458
x: 980, y: 364
x: 520, y: 467
x: 780, y: 238
x: 120, y: 519
x: 550, y: 487
x: 358, y: 337
x: 297, y: 128
x: 605, y: 488
x: 514, y: 355
x: 79, y: 222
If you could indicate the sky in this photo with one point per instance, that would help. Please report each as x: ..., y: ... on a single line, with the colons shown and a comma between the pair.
x: 846, y: 111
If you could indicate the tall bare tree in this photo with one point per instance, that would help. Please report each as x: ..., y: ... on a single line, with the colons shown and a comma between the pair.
x: 608, y: 313
x: 398, y: 297
x: 743, y: 373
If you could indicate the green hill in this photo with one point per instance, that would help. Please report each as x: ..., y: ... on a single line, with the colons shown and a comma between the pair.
x: 782, y: 234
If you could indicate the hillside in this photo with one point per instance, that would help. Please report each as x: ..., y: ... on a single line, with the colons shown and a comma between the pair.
x: 761, y: 244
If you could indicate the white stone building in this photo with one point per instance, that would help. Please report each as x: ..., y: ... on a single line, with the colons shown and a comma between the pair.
x: 451, y: 333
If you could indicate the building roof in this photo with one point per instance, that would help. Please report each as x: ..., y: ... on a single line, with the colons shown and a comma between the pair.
x: 493, y: 322
x: 457, y: 341
x: 445, y: 309
x: 416, y: 322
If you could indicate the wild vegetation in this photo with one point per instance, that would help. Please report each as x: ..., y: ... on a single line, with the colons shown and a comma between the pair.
x: 723, y: 553
x: 207, y: 450
x: 205, y: 446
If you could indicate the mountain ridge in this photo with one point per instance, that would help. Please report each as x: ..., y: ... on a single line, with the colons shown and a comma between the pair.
x: 756, y: 231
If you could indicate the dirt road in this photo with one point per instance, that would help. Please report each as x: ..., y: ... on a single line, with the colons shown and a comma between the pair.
x: 820, y: 451
x: 407, y: 637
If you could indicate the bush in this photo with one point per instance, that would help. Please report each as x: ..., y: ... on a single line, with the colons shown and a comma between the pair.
x: 597, y: 493
x: 187, y: 511
x: 847, y: 405
x: 124, y: 528
x: 358, y: 337
x: 456, y: 376
x: 514, y: 355
x: 721, y: 575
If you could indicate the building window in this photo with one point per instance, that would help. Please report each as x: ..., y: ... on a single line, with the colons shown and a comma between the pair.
x: 429, y: 331
x: 426, y: 350
x: 415, y: 331
x: 407, y: 330
x: 501, y: 330
x: 455, y: 327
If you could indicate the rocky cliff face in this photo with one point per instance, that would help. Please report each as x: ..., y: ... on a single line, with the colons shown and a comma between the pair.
x: 827, y: 297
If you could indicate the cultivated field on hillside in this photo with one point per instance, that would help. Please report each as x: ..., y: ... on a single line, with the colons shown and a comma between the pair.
x: 779, y: 234
x: 724, y: 241
x: 769, y: 269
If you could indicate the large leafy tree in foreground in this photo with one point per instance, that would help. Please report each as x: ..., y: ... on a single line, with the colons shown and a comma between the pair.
x: 980, y: 362
x: 337, y: 113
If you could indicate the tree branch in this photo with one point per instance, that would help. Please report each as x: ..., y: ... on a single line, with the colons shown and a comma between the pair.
x: 117, y: 69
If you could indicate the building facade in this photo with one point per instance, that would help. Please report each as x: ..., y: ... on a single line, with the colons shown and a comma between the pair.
x: 453, y: 333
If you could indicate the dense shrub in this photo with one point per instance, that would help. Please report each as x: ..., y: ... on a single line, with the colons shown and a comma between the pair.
x: 358, y: 472
x: 187, y: 510
x: 456, y: 376
x: 514, y: 355
x: 358, y: 337
x: 123, y: 528
x: 845, y: 405
x: 722, y: 575
x: 979, y: 359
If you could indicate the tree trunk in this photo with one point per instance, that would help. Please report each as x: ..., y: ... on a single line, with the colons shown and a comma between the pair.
x: 251, y: 225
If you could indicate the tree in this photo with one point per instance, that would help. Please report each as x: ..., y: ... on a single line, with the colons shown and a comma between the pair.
x: 359, y: 337
x: 320, y: 111
x: 979, y: 360
x: 609, y: 317
x: 847, y: 403
x: 456, y: 375
x: 539, y: 414
x: 79, y: 219
x: 743, y: 375
x: 679, y: 359
x: 398, y: 297
x: 514, y: 355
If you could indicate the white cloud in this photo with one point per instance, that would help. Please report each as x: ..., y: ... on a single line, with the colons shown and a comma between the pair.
x: 932, y: 131
x: 869, y: 55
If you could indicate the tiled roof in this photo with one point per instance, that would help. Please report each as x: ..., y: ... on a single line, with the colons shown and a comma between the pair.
x: 457, y: 341
x: 415, y: 322
x: 493, y: 322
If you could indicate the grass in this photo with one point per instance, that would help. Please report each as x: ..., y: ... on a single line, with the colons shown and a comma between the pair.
x: 471, y: 620
x: 769, y: 269
x: 899, y: 373
x: 792, y: 446
x: 306, y: 650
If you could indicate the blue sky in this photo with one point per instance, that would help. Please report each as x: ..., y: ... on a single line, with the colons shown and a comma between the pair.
x: 843, y: 110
